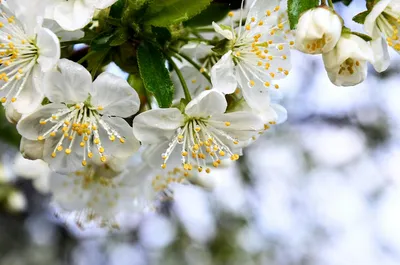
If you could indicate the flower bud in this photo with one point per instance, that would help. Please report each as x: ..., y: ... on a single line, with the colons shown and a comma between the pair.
x: 346, y: 64
x: 318, y: 31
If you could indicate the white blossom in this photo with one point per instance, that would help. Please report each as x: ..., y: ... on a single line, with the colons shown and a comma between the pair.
x: 26, y: 51
x: 83, y: 118
x: 384, y: 18
x: 258, y: 53
x: 200, y: 135
x: 318, y: 31
x: 74, y: 14
x: 346, y: 64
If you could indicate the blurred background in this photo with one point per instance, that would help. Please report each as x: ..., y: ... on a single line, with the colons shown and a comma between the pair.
x: 321, y: 189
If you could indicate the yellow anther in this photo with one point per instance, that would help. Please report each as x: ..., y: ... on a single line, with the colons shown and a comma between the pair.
x: 90, y: 155
x: 112, y: 138
x: 13, y: 100
x: 163, y: 166
x: 261, y: 23
x: 82, y: 144
x: 200, y: 169
x: 101, y: 150
x: 266, y: 126
x: 252, y: 83
x: 40, y: 138
x: 227, y: 123
x: 268, y: 12
x: 215, y: 164
x: 53, y: 134
x: 280, y: 47
x: 3, y: 100
x: 100, y: 108
x: 84, y: 163
x: 94, y: 127
x: 291, y: 43
x: 68, y: 151
x: 235, y: 142
x: 276, y: 86
x: 197, y: 129
x: 103, y: 159
x: 96, y: 141
x: 184, y: 153
x: 43, y: 122
x: 230, y: 14
x: 196, y: 147
x: 53, y: 155
x: 248, y: 27
x: 54, y: 117
x: 221, y: 153
x: 276, y: 8
x: 121, y: 140
x: 60, y: 148
x: 194, y: 81
x: 85, y: 138
x: 208, y: 170
x: 180, y: 137
x: 267, y: 84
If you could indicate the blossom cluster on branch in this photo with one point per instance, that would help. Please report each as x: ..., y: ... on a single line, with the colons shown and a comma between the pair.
x: 203, y: 83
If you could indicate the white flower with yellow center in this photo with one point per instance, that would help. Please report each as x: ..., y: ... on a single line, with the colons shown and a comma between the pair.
x: 98, y: 192
x: 83, y: 118
x: 318, y: 30
x: 200, y: 135
x: 346, y: 64
x: 26, y: 51
x: 258, y: 53
x: 384, y: 18
x: 74, y: 14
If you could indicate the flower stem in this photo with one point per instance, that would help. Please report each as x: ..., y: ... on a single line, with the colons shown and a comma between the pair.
x: 195, y: 65
x: 330, y: 3
x: 181, y: 79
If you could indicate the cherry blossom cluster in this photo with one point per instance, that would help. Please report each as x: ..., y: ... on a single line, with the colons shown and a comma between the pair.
x: 345, y: 53
x: 107, y: 151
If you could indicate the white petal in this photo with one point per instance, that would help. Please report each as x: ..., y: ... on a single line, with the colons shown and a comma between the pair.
x: 223, y: 76
x: 243, y: 125
x: 115, y: 95
x: 206, y: 104
x: 73, y: 15
x: 70, y: 83
x: 62, y: 34
x: 116, y: 148
x: 63, y: 163
x: 370, y: 26
x: 154, y: 126
x: 31, y: 149
x: 49, y: 49
x: 12, y: 115
x: 30, y: 127
x: 259, y: 8
x: 381, y: 54
x: 30, y: 169
x: 281, y: 113
x: 31, y: 95
x: 228, y: 34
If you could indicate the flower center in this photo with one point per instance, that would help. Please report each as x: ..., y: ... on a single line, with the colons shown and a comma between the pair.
x: 201, y: 144
x: 18, y: 55
x: 348, y: 67
x: 79, y: 123
x: 388, y: 22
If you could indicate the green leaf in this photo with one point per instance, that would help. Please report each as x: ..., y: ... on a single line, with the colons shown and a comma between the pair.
x: 360, y: 18
x: 117, y: 9
x: 155, y: 76
x: 297, y: 7
x: 167, y: 12
x: 214, y: 12
x: 362, y: 36
x: 120, y: 37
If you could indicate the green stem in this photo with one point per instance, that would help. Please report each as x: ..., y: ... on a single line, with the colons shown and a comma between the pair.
x: 181, y: 79
x: 330, y: 3
x: 84, y: 58
x: 195, y: 65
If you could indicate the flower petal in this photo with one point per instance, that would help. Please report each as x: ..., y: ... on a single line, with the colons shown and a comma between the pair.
x: 381, y: 54
x: 30, y: 127
x: 206, y: 104
x: 228, y: 34
x: 242, y: 125
x: 259, y: 8
x: 370, y: 26
x: 31, y: 95
x: 158, y: 125
x: 31, y: 149
x: 49, y: 49
x: 70, y: 83
x: 223, y: 76
x: 114, y: 95
x: 116, y: 148
x: 73, y: 15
